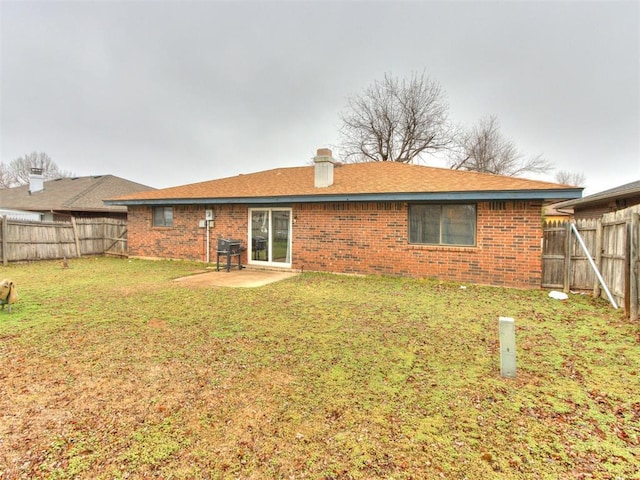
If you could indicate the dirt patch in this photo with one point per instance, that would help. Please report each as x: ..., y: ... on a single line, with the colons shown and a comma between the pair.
x: 158, y: 324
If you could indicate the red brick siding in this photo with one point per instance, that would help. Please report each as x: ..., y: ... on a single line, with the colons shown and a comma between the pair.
x: 366, y: 238
x: 185, y: 240
x: 373, y: 238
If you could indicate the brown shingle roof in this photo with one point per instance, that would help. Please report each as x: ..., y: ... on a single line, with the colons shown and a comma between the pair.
x: 627, y: 190
x: 376, y: 178
x: 71, y: 194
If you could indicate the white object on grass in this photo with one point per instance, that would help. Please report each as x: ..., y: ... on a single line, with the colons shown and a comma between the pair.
x: 558, y: 295
x: 507, y: 328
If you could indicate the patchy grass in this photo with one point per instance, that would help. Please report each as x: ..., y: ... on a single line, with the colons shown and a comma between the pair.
x: 110, y: 370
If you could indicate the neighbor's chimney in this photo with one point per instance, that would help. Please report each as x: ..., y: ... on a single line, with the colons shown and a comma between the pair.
x: 323, y: 162
x: 36, y: 180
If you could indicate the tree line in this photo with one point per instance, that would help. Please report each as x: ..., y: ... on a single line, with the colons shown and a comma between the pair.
x: 16, y: 173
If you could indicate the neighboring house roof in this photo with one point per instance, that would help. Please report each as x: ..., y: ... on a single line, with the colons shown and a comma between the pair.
x: 552, y: 211
x: 618, y: 193
x: 375, y: 181
x: 71, y: 194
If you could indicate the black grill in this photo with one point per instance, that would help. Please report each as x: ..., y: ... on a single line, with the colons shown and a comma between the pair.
x: 258, y: 245
x: 228, y: 249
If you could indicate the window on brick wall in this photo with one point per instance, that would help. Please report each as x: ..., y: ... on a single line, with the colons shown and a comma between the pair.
x: 162, y: 216
x: 442, y: 224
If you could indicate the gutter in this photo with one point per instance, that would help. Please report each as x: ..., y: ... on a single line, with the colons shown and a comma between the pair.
x: 361, y: 197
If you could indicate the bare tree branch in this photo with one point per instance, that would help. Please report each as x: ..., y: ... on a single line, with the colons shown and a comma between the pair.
x: 18, y: 170
x: 5, y: 177
x: 484, y: 149
x: 396, y: 120
x: 577, y: 179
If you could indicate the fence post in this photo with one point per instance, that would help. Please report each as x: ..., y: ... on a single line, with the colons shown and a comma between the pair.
x: 634, y: 264
x: 75, y: 235
x: 627, y: 268
x: 103, y: 232
x: 598, y: 259
x: 5, y: 228
x: 566, y: 281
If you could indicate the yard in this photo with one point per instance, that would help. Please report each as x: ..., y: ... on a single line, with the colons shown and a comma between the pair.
x: 109, y: 369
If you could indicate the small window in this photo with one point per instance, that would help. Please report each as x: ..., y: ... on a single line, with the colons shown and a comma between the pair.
x: 436, y: 224
x: 162, y: 216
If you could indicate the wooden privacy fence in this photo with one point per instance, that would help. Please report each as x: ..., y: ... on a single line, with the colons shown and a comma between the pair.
x: 23, y: 240
x: 613, y: 244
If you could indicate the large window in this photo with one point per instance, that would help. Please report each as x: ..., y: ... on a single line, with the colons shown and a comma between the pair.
x: 437, y: 224
x: 162, y: 216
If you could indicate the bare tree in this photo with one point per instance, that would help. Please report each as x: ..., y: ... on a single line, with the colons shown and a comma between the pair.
x: 484, y: 149
x: 576, y: 179
x: 396, y: 120
x: 19, y: 169
x: 5, y: 177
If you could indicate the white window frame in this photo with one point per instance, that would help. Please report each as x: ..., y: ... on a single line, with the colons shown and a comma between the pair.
x: 268, y: 263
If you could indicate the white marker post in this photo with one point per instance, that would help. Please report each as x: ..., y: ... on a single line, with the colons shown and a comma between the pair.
x: 507, y: 329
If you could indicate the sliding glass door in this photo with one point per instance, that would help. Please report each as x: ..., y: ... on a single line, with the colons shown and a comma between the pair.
x: 270, y: 236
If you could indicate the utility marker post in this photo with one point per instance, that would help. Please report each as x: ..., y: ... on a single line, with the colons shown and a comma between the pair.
x: 507, y: 328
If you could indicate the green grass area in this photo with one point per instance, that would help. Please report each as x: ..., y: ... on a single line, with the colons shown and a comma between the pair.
x: 108, y: 369
x: 280, y: 248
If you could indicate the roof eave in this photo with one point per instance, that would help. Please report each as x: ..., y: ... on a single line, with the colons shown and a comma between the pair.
x: 598, y: 198
x: 560, y: 194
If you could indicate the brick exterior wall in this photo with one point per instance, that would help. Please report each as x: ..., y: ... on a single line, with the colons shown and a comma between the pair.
x: 185, y: 240
x: 365, y: 238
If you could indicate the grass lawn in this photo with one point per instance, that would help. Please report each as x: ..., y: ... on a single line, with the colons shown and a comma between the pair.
x: 108, y: 369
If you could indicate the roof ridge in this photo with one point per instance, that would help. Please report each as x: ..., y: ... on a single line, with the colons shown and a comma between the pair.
x: 101, y: 179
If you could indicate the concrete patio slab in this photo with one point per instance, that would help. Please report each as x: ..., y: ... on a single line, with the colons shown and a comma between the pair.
x: 246, y: 278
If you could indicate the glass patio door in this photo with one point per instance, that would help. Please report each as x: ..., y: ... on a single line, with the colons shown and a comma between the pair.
x: 270, y: 236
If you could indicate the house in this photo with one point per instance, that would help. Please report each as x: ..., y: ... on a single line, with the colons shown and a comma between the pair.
x: 62, y: 198
x: 596, y: 205
x: 553, y: 214
x: 21, y: 215
x: 364, y: 218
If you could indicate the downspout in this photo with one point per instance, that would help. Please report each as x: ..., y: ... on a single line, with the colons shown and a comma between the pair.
x: 208, y: 240
x: 593, y: 265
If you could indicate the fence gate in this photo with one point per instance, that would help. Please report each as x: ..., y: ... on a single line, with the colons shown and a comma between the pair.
x: 554, y: 247
x: 615, y: 260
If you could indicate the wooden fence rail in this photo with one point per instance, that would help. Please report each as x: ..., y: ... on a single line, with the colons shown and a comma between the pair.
x: 613, y: 242
x: 23, y: 240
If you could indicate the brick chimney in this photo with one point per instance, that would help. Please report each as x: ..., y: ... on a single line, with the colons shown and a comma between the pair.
x: 36, y: 180
x: 323, y: 163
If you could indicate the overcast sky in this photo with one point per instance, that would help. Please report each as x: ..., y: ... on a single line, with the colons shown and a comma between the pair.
x: 173, y: 92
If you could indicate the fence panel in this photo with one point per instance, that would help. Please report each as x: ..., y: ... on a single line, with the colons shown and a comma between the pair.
x: 32, y: 240
x: 88, y: 235
x: 27, y: 240
x: 613, y: 243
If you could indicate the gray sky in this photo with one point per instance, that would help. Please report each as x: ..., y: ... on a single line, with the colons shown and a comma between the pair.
x: 173, y: 92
